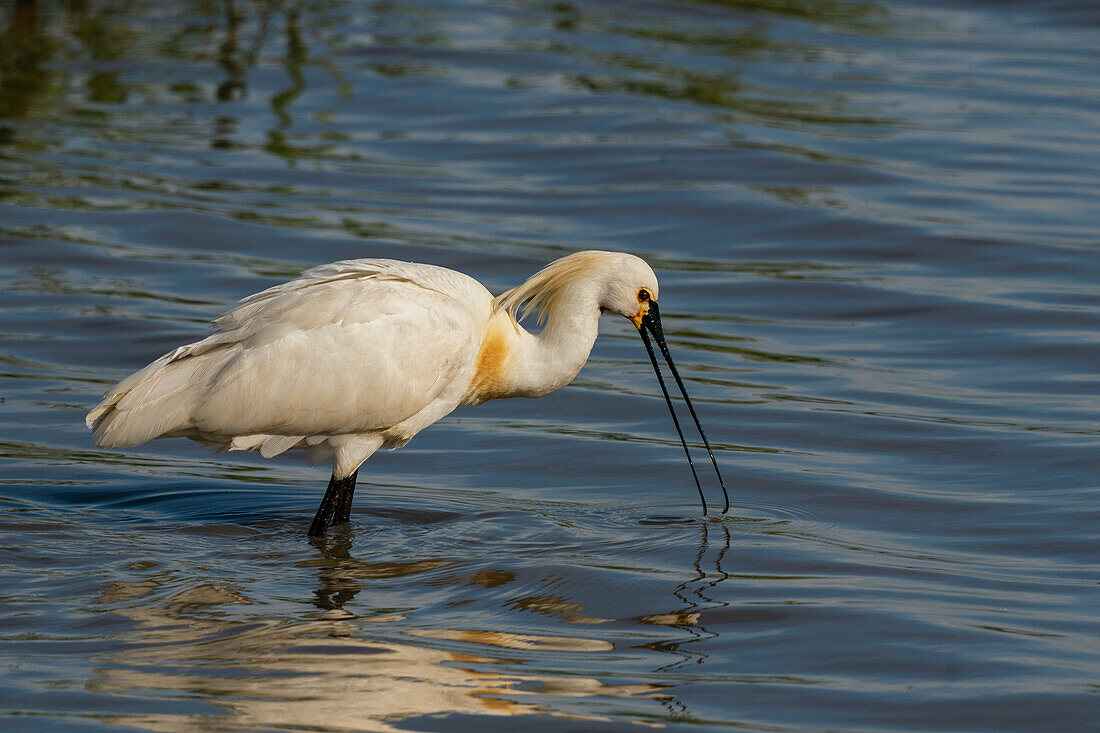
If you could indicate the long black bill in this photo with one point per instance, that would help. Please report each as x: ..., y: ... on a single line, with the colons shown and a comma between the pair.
x: 651, y: 322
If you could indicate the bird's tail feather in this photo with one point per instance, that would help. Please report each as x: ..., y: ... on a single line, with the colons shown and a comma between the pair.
x: 150, y: 403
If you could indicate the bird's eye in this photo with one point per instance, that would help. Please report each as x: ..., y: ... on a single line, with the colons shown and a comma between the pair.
x: 643, y: 295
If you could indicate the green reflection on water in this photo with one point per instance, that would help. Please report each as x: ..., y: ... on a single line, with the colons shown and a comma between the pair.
x: 234, y: 35
x: 724, y: 91
x: 823, y: 11
x: 25, y: 48
x: 102, y: 33
x: 45, y: 48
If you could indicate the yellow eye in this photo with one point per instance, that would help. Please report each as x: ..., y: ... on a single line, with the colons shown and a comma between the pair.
x: 643, y: 295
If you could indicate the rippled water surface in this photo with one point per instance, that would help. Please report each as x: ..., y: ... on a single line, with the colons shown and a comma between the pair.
x: 877, y: 232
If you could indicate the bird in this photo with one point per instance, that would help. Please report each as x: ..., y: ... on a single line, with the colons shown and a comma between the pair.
x: 359, y: 355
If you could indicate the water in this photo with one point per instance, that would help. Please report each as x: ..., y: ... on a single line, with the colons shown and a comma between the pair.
x: 876, y: 229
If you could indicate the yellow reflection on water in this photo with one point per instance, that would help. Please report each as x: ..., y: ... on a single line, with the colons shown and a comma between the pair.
x: 509, y: 640
x: 319, y: 675
x: 200, y: 643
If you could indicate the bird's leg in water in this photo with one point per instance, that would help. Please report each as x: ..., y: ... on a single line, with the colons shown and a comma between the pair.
x: 342, y: 513
x: 335, y: 506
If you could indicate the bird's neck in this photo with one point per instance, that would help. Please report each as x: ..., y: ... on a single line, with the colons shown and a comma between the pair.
x: 558, y: 352
x: 514, y: 362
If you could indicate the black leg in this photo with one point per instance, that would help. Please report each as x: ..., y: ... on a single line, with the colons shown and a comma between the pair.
x: 342, y: 513
x: 335, y: 506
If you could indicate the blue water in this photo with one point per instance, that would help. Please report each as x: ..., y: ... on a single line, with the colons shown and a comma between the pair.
x: 876, y: 229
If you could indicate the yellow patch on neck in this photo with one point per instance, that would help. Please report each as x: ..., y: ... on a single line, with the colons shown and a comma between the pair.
x: 488, y: 380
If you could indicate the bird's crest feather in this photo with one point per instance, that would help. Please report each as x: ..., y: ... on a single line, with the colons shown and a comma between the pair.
x: 539, y: 293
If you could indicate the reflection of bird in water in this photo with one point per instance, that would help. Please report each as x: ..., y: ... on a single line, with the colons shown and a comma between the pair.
x: 364, y: 354
x: 211, y: 643
x: 693, y: 593
x: 334, y: 672
x: 336, y: 587
x: 343, y: 576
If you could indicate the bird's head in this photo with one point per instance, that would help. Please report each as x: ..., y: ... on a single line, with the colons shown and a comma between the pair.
x: 630, y: 288
x: 623, y: 284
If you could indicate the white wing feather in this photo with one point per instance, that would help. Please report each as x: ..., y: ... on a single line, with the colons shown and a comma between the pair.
x: 352, y: 347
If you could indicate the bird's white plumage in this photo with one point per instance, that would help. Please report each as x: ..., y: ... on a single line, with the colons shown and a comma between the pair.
x: 363, y: 354
x: 355, y: 348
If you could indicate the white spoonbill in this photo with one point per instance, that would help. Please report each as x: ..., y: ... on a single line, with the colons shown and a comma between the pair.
x: 364, y: 354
